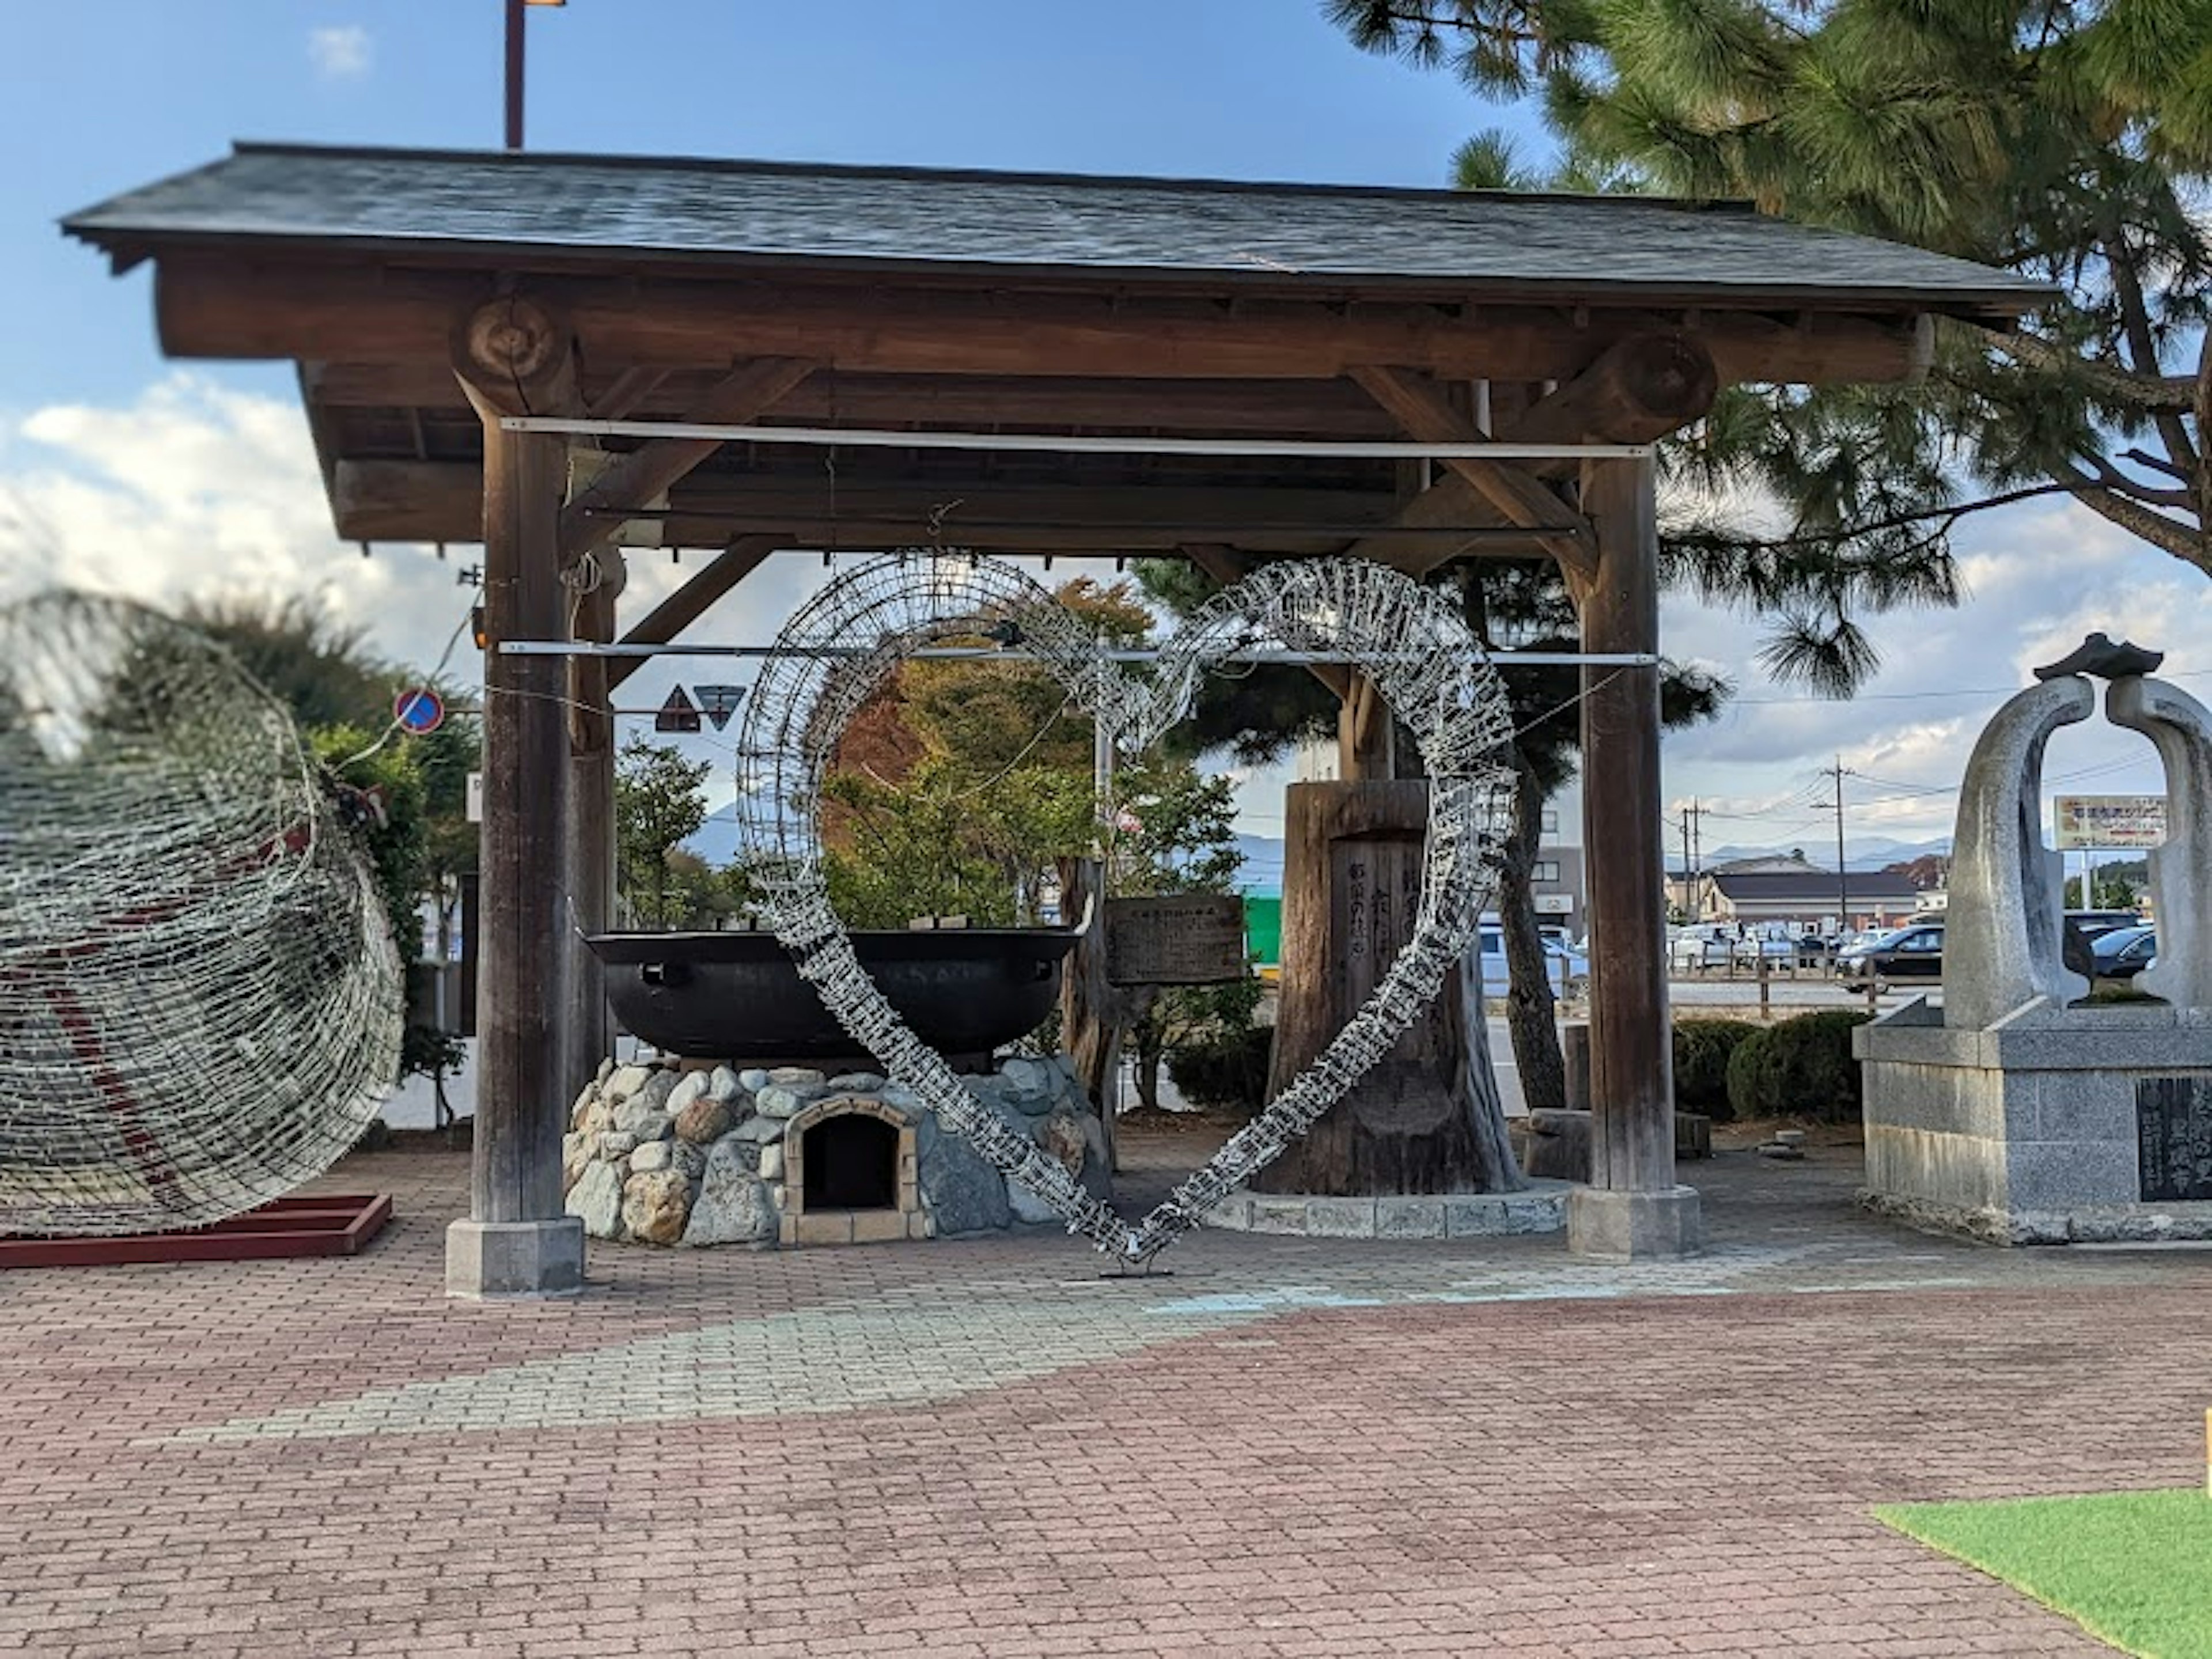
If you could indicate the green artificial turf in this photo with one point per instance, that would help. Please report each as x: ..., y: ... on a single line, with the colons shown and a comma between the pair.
x: 2134, y: 1569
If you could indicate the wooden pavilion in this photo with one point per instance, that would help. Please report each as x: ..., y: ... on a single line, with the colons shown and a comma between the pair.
x: 426, y: 295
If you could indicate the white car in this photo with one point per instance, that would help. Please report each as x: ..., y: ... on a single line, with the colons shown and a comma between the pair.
x: 1566, y: 968
x: 1706, y: 945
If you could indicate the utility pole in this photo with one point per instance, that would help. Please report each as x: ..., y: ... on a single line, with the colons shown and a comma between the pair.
x: 1696, y: 857
x: 1842, y: 871
x: 1689, y: 870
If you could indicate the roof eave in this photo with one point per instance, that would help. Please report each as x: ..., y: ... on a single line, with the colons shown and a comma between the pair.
x: 127, y: 247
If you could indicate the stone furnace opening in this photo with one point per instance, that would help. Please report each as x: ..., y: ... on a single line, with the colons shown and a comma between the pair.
x: 849, y: 1174
x: 851, y: 1163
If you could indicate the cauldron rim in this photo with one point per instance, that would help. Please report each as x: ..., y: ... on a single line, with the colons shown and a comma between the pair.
x: 627, y: 949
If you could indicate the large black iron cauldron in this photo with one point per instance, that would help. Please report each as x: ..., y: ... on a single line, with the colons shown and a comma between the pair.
x: 736, y: 996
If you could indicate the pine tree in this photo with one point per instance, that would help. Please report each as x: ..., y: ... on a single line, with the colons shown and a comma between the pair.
x: 2069, y: 142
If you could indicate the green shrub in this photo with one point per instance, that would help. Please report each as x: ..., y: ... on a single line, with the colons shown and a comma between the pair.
x: 1224, y: 1072
x: 1799, y: 1068
x: 1702, y: 1049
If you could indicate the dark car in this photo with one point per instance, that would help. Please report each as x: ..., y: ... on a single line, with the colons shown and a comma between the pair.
x: 1907, y: 953
x: 2095, y: 924
x: 2123, y: 952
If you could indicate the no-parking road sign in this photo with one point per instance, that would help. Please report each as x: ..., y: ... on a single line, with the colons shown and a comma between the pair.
x: 419, y: 710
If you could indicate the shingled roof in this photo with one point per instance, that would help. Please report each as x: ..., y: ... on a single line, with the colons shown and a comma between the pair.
x: 723, y: 213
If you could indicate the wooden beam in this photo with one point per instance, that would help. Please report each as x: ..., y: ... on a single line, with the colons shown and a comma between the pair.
x: 692, y: 600
x: 1637, y: 391
x: 515, y: 355
x: 220, y: 305
x: 1419, y: 405
x: 1450, y: 500
x: 1261, y: 408
x: 653, y: 466
x: 437, y: 500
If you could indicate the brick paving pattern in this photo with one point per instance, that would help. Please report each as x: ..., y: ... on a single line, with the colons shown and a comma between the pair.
x: 1287, y: 1448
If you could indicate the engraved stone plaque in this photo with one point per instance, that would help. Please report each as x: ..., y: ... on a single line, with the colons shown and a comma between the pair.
x: 2173, y: 1125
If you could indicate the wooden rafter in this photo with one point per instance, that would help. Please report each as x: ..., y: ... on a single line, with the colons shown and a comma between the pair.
x: 691, y: 601
x: 1419, y: 405
x: 652, y: 466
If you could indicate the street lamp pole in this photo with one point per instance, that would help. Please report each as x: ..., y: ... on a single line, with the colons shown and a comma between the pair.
x: 516, y: 10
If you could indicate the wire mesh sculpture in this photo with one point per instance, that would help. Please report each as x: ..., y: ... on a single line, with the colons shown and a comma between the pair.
x: 200, y: 1002
x: 839, y: 647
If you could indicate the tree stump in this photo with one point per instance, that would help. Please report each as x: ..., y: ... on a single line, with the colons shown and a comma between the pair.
x: 1426, y: 1118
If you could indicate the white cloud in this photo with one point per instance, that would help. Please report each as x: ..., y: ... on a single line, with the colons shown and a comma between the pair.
x: 2037, y: 578
x: 342, y: 53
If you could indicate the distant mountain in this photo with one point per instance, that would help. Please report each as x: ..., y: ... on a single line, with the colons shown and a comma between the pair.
x: 1868, y: 853
x: 716, y: 841
x: 1263, y: 863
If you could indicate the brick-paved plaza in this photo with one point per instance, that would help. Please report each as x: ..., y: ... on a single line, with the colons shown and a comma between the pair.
x: 1289, y: 1447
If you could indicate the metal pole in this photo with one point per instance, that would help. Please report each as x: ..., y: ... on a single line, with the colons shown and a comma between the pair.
x: 998, y: 653
x: 514, y: 30
x: 1061, y: 443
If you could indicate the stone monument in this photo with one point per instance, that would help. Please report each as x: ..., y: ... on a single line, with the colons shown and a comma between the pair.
x: 2021, y: 1111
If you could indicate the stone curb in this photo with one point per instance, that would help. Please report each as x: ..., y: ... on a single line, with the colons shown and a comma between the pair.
x: 1540, y: 1208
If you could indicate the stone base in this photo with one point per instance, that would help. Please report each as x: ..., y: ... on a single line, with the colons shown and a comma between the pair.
x: 494, y: 1259
x: 2030, y: 1132
x: 2117, y: 1223
x: 1541, y: 1207
x: 1604, y: 1225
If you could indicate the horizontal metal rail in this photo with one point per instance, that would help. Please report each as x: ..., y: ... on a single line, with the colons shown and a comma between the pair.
x: 1073, y: 444
x: 988, y: 654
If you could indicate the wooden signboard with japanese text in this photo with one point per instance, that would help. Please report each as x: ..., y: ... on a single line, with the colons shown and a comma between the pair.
x: 1185, y: 939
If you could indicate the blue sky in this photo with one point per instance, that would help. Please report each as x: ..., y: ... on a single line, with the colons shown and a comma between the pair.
x: 119, y: 470
x: 131, y: 89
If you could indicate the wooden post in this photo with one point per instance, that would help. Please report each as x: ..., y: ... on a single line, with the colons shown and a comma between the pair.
x: 511, y: 354
x: 1632, y: 1207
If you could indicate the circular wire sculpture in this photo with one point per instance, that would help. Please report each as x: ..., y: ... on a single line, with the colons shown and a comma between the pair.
x: 200, y: 1002
x: 1411, y: 640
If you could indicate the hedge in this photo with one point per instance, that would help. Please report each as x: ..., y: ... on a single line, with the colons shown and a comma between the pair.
x: 1702, y: 1049
x: 1225, y: 1073
x: 1798, y: 1067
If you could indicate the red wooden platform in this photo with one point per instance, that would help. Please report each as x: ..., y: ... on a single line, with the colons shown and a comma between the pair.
x: 332, y: 1224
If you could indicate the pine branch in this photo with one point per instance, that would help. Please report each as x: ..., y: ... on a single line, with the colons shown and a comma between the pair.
x: 1944, y: 518
x: 2148, y: 393
x: 2187, y: 543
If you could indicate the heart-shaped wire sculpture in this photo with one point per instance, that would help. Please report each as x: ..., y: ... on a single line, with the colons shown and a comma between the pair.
x: 1411, y: 641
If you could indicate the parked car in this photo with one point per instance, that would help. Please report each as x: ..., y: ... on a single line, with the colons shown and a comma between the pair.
x: 1565, y: 967
x: 1775, y: 947
x: 2094, y: 925
x: 1703, y: 944
x: 1816, y: 948
x: 1901, y: 953
x: 2124, y: 951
